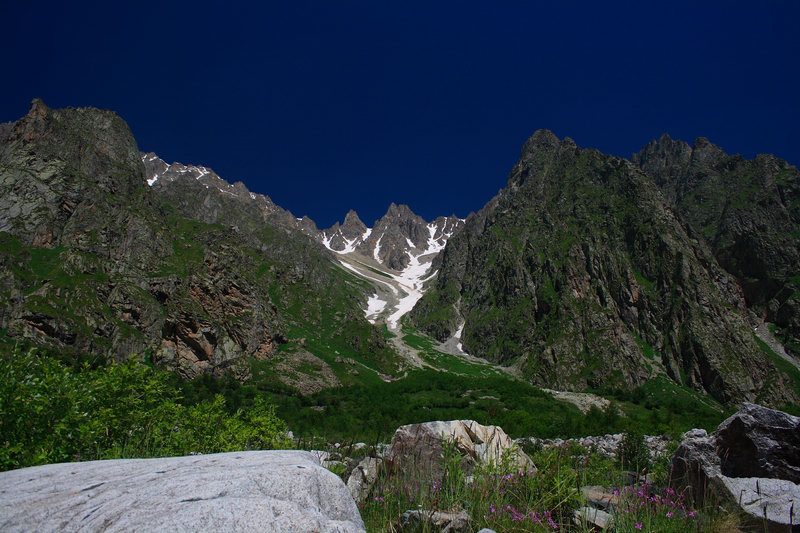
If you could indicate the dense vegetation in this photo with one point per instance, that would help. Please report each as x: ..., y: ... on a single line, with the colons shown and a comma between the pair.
x: 503, y: 498
x: 52, y: 411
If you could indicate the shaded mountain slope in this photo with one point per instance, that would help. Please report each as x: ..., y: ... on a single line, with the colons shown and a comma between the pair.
x: 748, y: 211
x: 92, y: 260
x: 580, y: 272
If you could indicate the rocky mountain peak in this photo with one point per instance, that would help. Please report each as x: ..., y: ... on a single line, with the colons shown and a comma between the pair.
x: 541, y: 141
x: 581, y: 264
x: 38, y: 108
x: 353, y: 226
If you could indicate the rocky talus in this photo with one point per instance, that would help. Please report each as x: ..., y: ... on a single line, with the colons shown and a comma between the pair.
x: 580, y: 273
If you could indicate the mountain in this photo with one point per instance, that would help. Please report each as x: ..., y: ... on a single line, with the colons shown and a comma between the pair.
x: 392, y: 241
x: 180, y: 272
x: 581, y: 275
x: 747, y: 211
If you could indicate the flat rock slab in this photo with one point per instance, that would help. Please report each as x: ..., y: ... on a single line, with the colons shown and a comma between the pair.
x: 281, y: 491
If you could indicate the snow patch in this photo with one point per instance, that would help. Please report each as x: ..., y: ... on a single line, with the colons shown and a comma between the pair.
x: 152, y: 180
x: 375, y: 307
x: 378, y: 250
x: 411, y: 279
x: 457, y: 335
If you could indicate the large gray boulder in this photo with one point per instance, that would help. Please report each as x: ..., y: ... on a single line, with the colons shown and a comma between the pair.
x: 760, y: 442
x: 281, y: 491
x: 750, y: 461
x: 420, y: 447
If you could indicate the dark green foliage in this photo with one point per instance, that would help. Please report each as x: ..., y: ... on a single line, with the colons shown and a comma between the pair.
x: 579, y: 274
x: 53, y: 412
x: 632, y: 453
x: 372, y: 413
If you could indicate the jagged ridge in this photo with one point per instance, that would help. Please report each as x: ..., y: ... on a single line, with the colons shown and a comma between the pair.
x: 580, y: 273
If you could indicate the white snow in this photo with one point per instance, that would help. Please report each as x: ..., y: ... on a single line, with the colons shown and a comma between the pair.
x: 152, y: 180
x: 375, y: 306
x: 434, y: 245
x: 457, y: 335
x: 411, y: 280
x: 152, y: 158
x: 252, y: 196
x: 349, y: 246
x: 410, y: 244
x: 378, y: 250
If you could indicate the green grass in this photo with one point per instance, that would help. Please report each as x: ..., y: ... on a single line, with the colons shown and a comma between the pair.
x: 444, y: 361
x: 783, y: 365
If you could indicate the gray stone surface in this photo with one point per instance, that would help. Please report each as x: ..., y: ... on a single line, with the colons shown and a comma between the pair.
x: 760, y: 442
x: 413, y: 520
x: 280, y: 491
x: 592, y: 518
x: 419, y: 447
x: 363, y: 478
x: 718, y: 467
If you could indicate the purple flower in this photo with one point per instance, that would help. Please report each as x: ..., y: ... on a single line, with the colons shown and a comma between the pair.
x: 669, y: 514
x: 638, y: 525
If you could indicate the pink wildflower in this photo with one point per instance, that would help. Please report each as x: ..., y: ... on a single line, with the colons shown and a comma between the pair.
x: 638, y: 525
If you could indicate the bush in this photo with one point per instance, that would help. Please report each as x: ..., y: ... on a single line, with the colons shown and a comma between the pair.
x: 51, y: 412
x: 632, y: 453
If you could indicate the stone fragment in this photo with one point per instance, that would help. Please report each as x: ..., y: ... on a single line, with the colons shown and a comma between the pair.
x: 445, y: 522
x: 363, y: 478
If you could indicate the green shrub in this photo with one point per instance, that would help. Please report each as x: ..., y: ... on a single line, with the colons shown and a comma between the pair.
x: 51, y: 412
x: 632, y: 453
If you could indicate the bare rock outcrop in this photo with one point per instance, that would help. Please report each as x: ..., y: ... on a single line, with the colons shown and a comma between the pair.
x: 752, y: 460
x: 421, y: 446
x: 280, y: 491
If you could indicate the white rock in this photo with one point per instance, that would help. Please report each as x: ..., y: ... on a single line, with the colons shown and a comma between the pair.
x: 280, y: 491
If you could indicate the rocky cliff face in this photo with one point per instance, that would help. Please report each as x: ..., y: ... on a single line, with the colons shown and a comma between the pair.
x: 393, y: 239
x: 747, y: 211
x: 580, y: 273
x: 92, y: 260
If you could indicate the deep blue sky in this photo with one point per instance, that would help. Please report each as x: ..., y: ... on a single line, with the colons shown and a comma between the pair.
x: 327, y: 106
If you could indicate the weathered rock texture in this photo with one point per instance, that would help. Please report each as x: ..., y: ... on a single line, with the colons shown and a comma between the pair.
x: 580, y: 273
x: 420, y: 447
x: 198, y: 275
x: 748, y: 211
x: 752, y: 460
x: 280, y: 491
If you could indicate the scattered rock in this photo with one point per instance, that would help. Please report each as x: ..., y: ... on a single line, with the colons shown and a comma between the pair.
x: 740, y: 464
x: 582, y: 400
x: 591, y: 517
x: 277, y: 491
x: 599, y: 497
x: 605, y: 445
x: 363, y: 478
x: 446, y: 522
